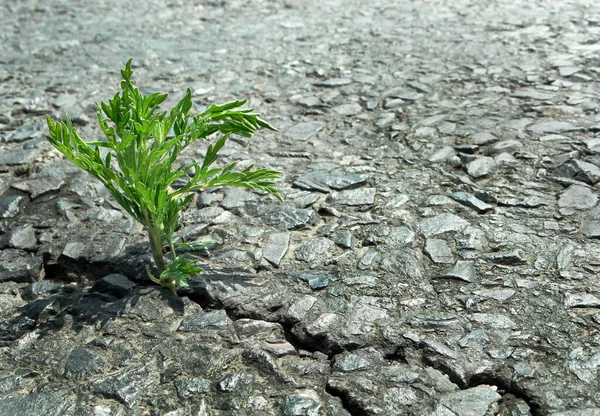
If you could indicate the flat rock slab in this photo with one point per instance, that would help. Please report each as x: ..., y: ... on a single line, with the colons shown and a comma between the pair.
x: 355, y: 197
x: 304, y: 131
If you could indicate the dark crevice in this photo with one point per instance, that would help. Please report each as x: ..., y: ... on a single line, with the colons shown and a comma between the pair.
x: 348, y: 402
x: 506, y: 388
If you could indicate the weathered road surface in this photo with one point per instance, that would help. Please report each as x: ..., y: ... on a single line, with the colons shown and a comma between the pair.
x: 437, y: 253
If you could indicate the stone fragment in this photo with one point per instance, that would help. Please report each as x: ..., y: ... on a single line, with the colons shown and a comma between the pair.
x: 471, y: 201
x: 251, y: 329
x: 482, y: 138
x: 201, y: 321
x: 475, y: 401
x: 127, y: 385
x: 10, y: 206
x: 577, y: 197
x: 236, y: 381
x: 493, y: 320
x: 19, y: 266
x: 334, y: 82
x: 345, y: 239
x: 284, y: 217
x: 22, y: 237
x: 342, y: 182
x: 462, y: 270
x: 533, y: 94
x: 24, y: 132
x: 399, y: 237
x: 581, y: 300
x: 552, y: 127
x: 351, y: 109
x: 438, y: 250
x: 316, y: 279
x: 474, y: 339
x: 188, y: 387
x: 590, y: 225
x: 442, y: 223
x: 56, y: 403
x: 304, y: 131
x: 481, y: 167
x: 299, y: 308
x: 580, y: 171
x: 314, y: 250
x: 81, y: 363
x: 442, y: 154
x: 508, y: 257
x: 39, y: 186
x: 367, y: 260
x: 235, y: 198
x: 18, y: 157
x: 300, y: 405
x: 35, y: 289
x: 115, y: 285
x: 505, y: 146
x: 355, y: 197
x: 567, y: 71
x: 276, y: 247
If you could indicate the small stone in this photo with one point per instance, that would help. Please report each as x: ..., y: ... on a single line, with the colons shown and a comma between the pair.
x: 10, y: 206
x: 188, y: 387
x: 580, y: 171
x: 115, y: 285
x: 443, y: 154
x: 554, y: 127
x: 462, y: 270
x: 127, y: 385
x: 533, y: 94
x: 202, y: 321
x: 284, y: 217
x: 581, y: 300
x: 505, y: 146
x: 493, y: 320
x: 251, y: 329
x: 590, y: 226
x: 354, y: 197
x: 342, y: 182
x: 345, y: 239
x: 18, y: 157
x: 567, y: 71
x: 483, y: 138
x: 21, y: 237
x: 334, y: 82
x: 314, y: 250
x: 439, y: 252
x: 304, y: 131
x: 476, y: 401
x: 442, y: 223
x: 481, y: 167
x: 40, y: 186
x: 19, y: 266
x: 474, y: 339
x: 351, y: 109
x: 316, y: 279
x: 24, y: 132
x: 577, y: 197
x: 471, y: 201
x: 509, y: 258
x: 276, y: 247
x: 82, y: 363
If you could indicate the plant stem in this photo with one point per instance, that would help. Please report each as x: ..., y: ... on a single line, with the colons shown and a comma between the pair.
x: 157, y: 252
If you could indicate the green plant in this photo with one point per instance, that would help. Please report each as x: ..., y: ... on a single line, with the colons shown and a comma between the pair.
x: 139, y: 167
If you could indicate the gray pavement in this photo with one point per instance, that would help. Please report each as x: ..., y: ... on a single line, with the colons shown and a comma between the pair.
x: 437, y: 252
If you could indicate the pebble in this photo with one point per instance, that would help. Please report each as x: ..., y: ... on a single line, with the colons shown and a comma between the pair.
x: 481, y: 167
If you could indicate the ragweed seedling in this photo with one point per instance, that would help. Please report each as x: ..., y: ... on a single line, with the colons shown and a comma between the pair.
x: 139, y: 166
